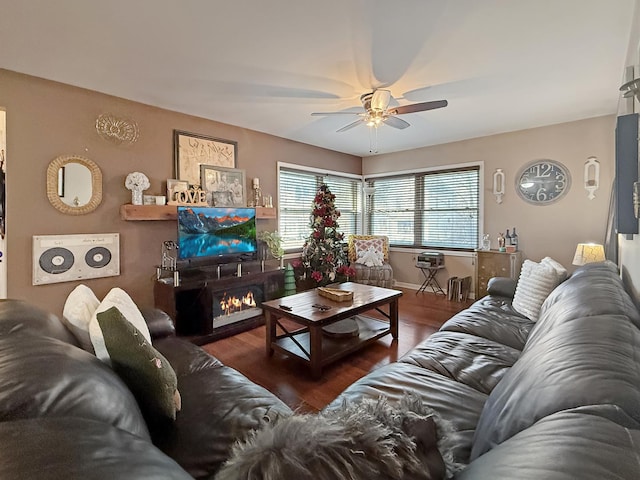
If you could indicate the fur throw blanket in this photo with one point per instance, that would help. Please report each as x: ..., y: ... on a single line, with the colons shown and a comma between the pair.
x: 371, y: 439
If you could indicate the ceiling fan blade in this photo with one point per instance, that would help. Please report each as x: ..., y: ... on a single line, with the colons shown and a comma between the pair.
x: 418, y: 107
x: 350, y: 126
x: 396, y: 122
x: 380, y: 100
x: 335, y: 113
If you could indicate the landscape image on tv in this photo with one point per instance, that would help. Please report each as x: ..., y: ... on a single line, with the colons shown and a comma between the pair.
x: 216, y: 232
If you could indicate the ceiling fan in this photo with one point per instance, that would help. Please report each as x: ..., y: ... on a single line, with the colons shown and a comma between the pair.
x: 377, y: 111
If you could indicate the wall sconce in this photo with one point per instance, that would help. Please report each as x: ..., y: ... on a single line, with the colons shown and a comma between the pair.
x: 498, y: 184
x: 588, y: 253
x: 369, y: 191
x: 591, y: 176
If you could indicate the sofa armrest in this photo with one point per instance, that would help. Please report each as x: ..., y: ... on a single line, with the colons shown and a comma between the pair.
x: 159, y: 323
x: 502, y: 286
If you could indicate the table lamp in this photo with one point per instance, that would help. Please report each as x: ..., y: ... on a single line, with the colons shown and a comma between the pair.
x: 588, y: 253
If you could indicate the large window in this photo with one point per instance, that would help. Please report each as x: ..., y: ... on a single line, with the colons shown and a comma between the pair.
x: 437, y: 209
x: 297, y: 187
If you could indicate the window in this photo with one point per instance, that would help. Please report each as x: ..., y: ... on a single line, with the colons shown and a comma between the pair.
x: 427, y: 209
x: 297, y: 186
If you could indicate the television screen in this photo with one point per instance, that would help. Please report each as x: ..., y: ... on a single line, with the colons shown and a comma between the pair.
x: 216, y: 234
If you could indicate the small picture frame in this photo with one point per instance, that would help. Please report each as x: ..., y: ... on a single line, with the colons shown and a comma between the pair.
x: 192, y: 150
x: 224, y: 187
x: 174, y: 186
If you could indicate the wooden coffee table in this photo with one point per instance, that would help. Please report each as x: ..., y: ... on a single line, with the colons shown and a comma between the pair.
x: 308, y: 343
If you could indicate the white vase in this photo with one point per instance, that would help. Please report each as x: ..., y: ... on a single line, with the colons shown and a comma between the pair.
x: 136, y: 196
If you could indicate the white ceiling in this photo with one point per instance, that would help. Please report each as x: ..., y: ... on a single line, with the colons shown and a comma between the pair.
x: 503, y: 65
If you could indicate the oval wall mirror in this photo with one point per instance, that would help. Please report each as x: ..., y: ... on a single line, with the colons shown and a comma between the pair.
x: 74, y: 184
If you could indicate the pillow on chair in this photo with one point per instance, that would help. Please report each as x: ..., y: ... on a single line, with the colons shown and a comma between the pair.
x: 360, y: 243
x: 370, y: 257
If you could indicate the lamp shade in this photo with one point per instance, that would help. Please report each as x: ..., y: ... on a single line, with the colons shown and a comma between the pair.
x: 588, y: 253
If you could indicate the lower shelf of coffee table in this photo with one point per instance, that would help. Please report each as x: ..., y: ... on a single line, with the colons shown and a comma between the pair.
x: 369, y: 330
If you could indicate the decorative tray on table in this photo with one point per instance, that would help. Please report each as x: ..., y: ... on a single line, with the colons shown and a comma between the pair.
x: 335, y: 294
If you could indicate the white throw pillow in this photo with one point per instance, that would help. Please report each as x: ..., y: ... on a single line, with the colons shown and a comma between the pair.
x: 122, y: 301
x: 557, y: 266
x: 536, y: 282
x: 77, y: 313
x: 370, y: 257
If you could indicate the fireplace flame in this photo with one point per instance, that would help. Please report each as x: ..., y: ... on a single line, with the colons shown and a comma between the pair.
x: 232, y: 304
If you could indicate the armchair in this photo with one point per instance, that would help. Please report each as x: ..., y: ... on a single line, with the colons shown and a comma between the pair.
x: 380, y: 273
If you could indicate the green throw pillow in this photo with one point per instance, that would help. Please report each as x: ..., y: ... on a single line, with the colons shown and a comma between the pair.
x: 146, y: 372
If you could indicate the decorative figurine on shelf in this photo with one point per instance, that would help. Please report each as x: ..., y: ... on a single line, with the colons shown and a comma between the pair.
x: 501, y: 242
x: 486, y: 242
x: 289, y: 281
x: 323, y: 253
x: 256, y: 192
x: 136, y: 182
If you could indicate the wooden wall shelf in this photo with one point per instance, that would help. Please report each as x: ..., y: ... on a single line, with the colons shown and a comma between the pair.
x: 170, y: 212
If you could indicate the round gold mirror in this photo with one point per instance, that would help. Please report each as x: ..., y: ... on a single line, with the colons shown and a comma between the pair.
x: 74, y: 184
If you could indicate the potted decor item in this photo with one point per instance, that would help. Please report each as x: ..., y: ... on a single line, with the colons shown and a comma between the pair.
x: 274, y: 244
x: 136, y: 182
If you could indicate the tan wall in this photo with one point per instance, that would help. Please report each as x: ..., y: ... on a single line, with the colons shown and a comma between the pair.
x: 551, y: 230
x: 47, y: 119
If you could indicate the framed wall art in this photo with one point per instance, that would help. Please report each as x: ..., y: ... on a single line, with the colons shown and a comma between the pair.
x: 192, y: 150
x: 224, y: 187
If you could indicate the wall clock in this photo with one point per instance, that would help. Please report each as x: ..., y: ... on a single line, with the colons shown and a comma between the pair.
x: 542, y: 182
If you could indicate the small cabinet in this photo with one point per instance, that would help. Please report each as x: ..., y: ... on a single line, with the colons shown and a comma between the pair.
x: 492, y: 263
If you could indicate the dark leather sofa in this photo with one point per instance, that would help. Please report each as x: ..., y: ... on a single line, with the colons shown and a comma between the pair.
x: 64, y: 414
x: 558, y: 399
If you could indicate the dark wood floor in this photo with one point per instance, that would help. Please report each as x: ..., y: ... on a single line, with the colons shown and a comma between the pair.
x: 420, y: 315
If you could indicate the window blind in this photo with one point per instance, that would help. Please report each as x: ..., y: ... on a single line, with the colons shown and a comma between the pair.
x: 428, y: 209
x: 297, y: 189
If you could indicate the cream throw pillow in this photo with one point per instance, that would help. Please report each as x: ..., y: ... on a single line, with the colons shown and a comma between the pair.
x: 77, y: 313
x: 122, y: 301
x: 536, y: 282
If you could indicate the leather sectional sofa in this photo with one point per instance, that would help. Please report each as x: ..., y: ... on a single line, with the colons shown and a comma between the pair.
x: 555, y: 399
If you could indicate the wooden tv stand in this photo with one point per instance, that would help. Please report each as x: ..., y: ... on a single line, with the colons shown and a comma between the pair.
x: 190, y: 304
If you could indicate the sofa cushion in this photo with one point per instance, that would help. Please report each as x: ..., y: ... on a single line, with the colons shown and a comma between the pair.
x: 145, y: 370
x: 44, y: 377
x: 120, y: 299
x: 583, y: 361
x: 593, y: 289
x: 563, y: 446
x: 77, y: 448
x: 492, y: 318
x: 77, y: 312
x: 474, y: 361
x: 219, y: 407
x: 536, y: 282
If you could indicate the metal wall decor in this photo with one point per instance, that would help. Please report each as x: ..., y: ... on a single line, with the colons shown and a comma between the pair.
x: 498, y: 184
x: 117, y: 130
x: 591, y: 177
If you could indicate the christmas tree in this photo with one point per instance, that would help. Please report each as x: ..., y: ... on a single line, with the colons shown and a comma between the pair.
x: 323, y: 254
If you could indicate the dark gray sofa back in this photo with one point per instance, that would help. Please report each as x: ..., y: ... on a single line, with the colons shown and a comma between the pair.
x: 581, y: 352
x: 41, y: 375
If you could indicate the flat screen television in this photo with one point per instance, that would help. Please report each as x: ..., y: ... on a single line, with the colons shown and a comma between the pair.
x: 210, y: 235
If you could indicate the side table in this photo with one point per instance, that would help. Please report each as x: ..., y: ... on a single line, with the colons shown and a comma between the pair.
x: 430, y: 280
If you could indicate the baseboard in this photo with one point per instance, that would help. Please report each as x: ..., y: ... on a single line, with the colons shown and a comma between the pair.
x: 413, y: 286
